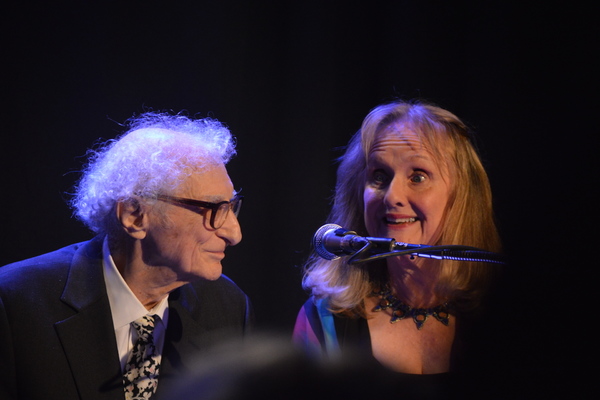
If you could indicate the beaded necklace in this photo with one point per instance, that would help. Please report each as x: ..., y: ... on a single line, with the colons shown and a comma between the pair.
x: 401, y: 310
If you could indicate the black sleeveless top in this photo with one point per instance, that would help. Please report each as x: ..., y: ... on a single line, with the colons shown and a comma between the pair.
x: 354, y: 338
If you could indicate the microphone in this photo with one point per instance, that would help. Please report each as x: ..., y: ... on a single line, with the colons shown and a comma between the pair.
x: 331, y: 241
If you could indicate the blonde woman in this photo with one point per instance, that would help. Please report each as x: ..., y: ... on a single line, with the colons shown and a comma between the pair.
x: 410, y: 173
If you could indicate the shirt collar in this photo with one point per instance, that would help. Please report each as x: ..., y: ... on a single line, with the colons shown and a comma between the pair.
x: 125, y: 307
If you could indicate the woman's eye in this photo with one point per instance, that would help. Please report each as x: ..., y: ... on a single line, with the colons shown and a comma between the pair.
x: 379, y: 177
x: 418, y: 177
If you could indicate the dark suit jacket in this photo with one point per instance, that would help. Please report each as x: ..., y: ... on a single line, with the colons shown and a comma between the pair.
x: 56, y: 335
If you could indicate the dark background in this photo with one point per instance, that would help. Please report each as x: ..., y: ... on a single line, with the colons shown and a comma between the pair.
x: 293, y: 81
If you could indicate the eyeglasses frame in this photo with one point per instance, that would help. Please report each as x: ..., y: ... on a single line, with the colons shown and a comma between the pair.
x: 213, y: 207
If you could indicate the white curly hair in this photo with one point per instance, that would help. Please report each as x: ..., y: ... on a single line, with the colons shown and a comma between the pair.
x: 156, y: 153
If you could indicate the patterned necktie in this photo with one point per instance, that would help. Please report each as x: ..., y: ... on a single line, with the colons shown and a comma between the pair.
x: 141, y: 371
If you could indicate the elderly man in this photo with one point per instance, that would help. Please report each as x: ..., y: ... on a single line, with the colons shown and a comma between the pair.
x: 113, y: 317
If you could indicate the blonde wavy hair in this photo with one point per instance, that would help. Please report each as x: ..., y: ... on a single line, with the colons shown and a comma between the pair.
x: 468, y: 216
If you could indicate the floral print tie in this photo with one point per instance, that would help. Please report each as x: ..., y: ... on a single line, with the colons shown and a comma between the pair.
x: 141, y: 371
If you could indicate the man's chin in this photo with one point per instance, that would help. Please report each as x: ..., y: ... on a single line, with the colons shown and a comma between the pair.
x: 212, y: 275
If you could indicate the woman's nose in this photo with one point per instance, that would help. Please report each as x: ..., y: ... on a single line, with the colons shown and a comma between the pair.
x: 396, y: 194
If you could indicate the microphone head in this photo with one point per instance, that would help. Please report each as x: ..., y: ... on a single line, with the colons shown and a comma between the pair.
x: 319, y: 241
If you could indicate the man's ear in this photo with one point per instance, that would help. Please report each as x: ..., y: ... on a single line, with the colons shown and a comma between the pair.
x: 132, y: 218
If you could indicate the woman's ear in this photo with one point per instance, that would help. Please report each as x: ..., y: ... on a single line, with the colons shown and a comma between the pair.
x: 132, y: 218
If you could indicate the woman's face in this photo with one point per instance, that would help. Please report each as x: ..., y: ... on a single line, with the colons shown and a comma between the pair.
x: 406, y: 189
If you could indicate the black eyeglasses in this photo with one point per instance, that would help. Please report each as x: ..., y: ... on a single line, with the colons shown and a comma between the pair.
x: 219, y: 210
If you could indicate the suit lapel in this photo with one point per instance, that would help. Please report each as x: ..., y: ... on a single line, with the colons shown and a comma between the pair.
x: 183, y: 331
x: 195, y: 325
x: 88, y: 337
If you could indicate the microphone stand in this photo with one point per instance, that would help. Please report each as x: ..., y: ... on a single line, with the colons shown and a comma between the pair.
x: 377, y: 248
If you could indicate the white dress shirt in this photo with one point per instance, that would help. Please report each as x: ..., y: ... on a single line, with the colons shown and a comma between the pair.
x: 126, y: 308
